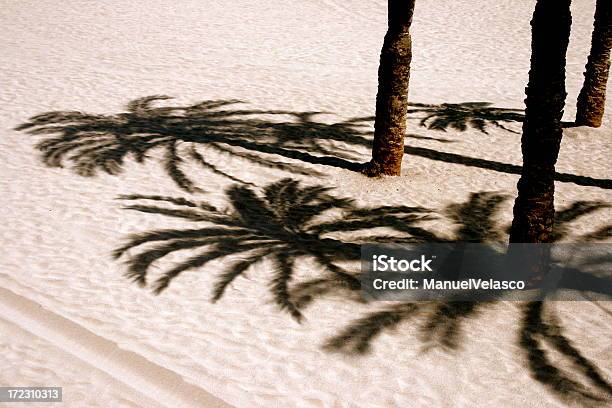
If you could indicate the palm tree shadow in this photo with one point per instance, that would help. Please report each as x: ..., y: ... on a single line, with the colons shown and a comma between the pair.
x: 441, y: 324
x: 93, y: 143
x: 473, y: 223
x: 461, y: 116
x: 282, y: 225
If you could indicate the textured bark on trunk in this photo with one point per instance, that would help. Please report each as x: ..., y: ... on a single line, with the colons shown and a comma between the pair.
x: 592, y: 97
x: 534, y: 206
x: 392, y: 96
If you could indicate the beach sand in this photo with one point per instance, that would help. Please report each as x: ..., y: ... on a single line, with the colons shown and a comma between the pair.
x: 111, y: 343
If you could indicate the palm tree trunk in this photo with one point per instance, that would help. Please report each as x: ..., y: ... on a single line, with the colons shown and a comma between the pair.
x: 534, y: 206
x: 592, y: 98
x: 392, y: 97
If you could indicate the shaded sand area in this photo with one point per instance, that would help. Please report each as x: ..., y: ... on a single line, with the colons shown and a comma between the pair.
x: 270, y: 113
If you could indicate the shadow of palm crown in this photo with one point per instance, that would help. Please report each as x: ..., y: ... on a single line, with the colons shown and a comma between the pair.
x: 103, y: 142
x: 539, y: 331
x: 461, y: 116
x: 282, y: 224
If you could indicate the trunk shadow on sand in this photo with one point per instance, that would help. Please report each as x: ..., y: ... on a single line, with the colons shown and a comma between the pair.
x: 92, y: 142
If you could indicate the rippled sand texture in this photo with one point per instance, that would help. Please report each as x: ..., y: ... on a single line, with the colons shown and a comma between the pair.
x: 60, y: 228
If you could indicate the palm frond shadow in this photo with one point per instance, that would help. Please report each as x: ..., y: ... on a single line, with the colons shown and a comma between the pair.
x: 565, y: 216
x: 461, y: 116
x: 473, y: 223
x: 282, y: 225
x: 538, y: 330
x: 93, y: 143
x: 441, y: 322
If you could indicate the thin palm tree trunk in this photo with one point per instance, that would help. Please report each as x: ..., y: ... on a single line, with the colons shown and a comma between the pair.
x: 534, y: 206
x: 392, y: 97
x: 592, y: 97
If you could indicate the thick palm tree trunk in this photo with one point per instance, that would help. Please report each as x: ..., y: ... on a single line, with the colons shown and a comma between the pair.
x: 392, y: 97
x: 592, y: 97
x: 534, y: 206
